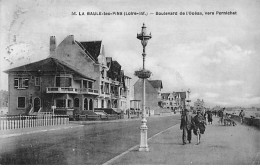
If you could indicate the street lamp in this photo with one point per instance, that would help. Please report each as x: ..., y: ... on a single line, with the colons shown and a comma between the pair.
x: 143, y: 74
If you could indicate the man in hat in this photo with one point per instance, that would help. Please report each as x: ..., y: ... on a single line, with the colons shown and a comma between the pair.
x: 186, y: 126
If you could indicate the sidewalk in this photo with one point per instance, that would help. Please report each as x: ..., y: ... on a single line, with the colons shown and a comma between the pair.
x: 220, y: 145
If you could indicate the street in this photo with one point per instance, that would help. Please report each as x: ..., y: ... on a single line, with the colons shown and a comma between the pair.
x: 89, y: 144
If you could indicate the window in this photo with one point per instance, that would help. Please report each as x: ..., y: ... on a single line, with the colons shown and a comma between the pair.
x: 90, y: 85
x: 102, y: 103
x: 63, y: 81
x: 85, y: 84
x: 85, y: 104
x: 21, y: 102
x: 76, y: 102
x: 69, y: 103
x: 21, y: 83
x: 90, y: 104
x: 37, y: 81
x: 61, y: 103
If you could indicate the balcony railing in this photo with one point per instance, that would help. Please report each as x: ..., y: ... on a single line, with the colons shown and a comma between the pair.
x: 71, y: 90
x: 62, y: 90
x: 105, y: 94
x: 88, y: 91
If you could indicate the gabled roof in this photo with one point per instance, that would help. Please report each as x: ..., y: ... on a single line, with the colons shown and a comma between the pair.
x: 182, y: 94
x: 166, y: 95
x: 156, y: 83
x: 49, y: 64
x: 91, y: 47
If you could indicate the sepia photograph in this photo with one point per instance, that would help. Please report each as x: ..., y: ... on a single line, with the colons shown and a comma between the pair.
x: 130, y: 82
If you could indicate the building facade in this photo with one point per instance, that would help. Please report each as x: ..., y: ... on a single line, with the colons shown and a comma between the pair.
x: 76, y: 78
x: 153, y: 94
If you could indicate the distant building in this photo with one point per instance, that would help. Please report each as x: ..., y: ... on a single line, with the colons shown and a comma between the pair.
x: 153, y: 93
x: 174, y: 100
x: 199, y: 105
x: 3, y: 98
x: 3, y: 102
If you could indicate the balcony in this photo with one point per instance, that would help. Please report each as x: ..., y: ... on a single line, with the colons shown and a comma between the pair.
x: 62, y: 90
x: 71, y: 90
x: 88, y: 91
x: 114, y: 95
x: 105, y: 94
x: 107, y: 79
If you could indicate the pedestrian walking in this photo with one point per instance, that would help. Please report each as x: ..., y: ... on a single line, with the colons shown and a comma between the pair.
x: 186, y: 126
x: 199, y: 125
x: 210, y: 117
x: 221, y: 116
x: 205, y: 116
x: 242, y: 115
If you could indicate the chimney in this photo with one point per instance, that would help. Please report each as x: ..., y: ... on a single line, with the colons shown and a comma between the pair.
x: 52, y: 45
x: 71, y: 39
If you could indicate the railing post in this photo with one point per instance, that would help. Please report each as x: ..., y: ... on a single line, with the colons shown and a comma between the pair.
x: 36, y: 121
x: 25, y: 122
x: 33, y: 118
x: 9, y: 123
x: 19, y: 121
x: 39, y: 120
x: 49, y: 120
x: 56, y: 119
x: 29, y: 123
x: 14, y: 121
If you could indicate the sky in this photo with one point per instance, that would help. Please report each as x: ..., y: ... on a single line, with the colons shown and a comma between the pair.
x: 215, y: 56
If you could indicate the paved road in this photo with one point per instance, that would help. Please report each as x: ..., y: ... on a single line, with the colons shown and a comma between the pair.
x: 90, y: 144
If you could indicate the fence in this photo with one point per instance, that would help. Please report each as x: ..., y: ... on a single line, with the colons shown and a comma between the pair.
x: 248, y: 121
x: 18, y: 122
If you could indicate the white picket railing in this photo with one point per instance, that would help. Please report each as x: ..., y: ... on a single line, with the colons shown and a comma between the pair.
x: 18, y: 122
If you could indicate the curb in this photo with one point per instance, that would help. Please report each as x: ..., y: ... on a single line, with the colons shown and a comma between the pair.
x: 113, y: 121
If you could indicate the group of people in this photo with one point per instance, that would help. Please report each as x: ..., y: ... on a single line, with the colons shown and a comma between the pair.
x: 189, y: 123
x: 198, y: 122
